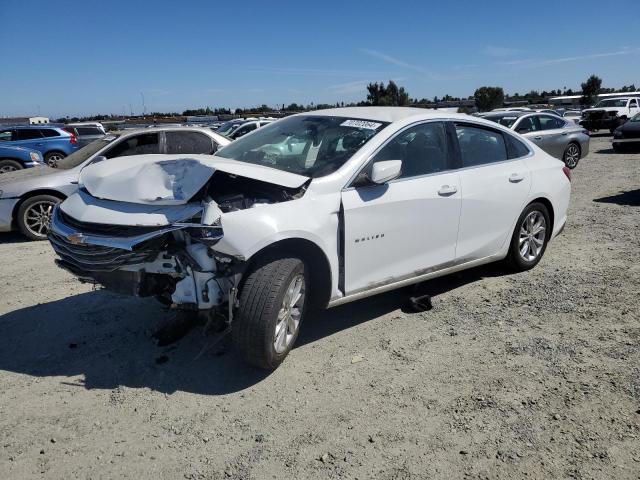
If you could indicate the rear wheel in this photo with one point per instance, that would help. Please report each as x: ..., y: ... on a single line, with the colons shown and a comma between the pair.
x: 34, y: 216
x: 273, y: 302
x: 530, y: 238
x: 52, y: 158
x: 7, y: 166
x: 571, y: 155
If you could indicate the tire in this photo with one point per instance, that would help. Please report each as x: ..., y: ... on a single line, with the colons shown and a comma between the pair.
x: 266, y: 309
x: 518, y: 261
x: 7, y: 166
x: 52, y: 158
x: 571, y: 155
x: 34, y: 216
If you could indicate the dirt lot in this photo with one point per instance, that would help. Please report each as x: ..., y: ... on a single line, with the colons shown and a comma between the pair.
x: 531, y: 375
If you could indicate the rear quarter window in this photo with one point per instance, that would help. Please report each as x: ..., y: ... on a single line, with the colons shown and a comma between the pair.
x: 49, y: 132
x: 515, y: 148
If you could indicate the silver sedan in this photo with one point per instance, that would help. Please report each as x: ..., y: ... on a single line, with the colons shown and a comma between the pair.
x: 558, y: 137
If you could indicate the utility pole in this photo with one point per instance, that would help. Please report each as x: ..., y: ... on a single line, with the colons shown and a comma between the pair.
x: 130, y: 110
x: 144, y: 107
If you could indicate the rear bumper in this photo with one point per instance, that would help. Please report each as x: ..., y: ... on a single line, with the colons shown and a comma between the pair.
x: 6, y: 213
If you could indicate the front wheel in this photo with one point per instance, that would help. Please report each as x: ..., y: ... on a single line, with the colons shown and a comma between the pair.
x: 571, y: 155
x: 273, y: 302
x: 530, y: 238
x: 34, y: 216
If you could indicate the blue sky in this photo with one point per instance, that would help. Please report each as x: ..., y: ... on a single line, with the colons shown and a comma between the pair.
x: 70, y: 58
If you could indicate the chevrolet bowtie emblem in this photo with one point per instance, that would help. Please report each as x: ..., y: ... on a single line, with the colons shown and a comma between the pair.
x: 76, y: 238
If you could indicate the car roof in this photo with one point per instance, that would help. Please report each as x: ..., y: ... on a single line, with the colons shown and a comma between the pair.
x: 508, y: 114
x: 385, y: 114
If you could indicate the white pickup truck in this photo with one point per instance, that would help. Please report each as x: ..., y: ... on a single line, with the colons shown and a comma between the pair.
x: 610, y: 113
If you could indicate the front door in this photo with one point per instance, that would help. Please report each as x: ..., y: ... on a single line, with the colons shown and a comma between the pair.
x: 409, y: 225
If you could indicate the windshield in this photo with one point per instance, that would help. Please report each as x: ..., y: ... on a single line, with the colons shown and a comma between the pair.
x: 227, y: 127
x: 635, y: 118
x: 614, y: 102
x: 79, y: 156
x: 313, y: 146
x: 502, y: 120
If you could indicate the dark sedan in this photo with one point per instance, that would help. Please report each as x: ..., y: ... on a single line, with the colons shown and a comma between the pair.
x: 627, y: 136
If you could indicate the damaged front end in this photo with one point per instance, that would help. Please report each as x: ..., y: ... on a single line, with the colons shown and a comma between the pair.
x: 163, y: 248
x: 173, y: 263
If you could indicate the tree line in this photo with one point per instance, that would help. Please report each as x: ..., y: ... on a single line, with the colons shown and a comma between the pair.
x: 380, y: 94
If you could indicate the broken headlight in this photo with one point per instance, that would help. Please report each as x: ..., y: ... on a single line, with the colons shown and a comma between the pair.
x: 207, y: 234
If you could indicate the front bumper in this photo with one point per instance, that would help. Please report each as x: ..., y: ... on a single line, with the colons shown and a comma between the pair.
x: 7, y: 206
x: 600, y: 124
x: 625, y: 141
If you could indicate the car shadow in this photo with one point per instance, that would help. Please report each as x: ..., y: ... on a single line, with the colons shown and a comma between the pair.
x: 100, y: 340
x: 629, y: 198
x: 13, y: 237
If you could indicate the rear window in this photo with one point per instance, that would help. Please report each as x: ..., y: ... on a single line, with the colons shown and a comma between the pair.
x: 515, y: 147
x: 49, y: 132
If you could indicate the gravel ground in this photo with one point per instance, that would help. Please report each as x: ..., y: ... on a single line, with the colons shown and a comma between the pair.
x: 531, y: 375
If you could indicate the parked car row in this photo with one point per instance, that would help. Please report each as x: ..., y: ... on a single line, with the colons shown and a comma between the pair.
x: 316, y: 209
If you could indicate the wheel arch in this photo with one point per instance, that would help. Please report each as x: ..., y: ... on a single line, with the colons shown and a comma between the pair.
x: 547, y: 203
x: 35, y: 193
x: 312, y: 255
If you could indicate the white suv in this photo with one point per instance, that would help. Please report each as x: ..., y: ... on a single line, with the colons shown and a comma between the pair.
x: 610, y: 113
x: 315, y: 209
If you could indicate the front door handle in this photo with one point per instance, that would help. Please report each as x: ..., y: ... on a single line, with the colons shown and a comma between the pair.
x: 537, y: 138
x: 516, y: 177
x: 565, y: 133
x: 447, y: 190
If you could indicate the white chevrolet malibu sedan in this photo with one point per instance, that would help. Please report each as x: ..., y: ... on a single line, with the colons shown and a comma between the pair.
x: 316, y: 209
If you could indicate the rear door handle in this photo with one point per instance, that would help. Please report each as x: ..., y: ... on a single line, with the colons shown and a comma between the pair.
x: 447, y: 190
x: 537, y: 138
x: 565, y: 133
x: 516, y: 177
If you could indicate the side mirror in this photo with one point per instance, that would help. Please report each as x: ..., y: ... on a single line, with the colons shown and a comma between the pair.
x: 385, y: 171
x: 98, y: 159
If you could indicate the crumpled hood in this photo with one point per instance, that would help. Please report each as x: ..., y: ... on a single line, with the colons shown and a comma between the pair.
x: 170, y: 179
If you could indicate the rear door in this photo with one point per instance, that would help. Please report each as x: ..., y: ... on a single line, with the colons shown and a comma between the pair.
x: 409, y: 225
x: 555, y: 134
x: 495, y: 184
x: 188, y: 142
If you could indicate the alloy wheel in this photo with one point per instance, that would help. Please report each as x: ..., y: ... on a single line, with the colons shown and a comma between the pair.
x: 571, y: 156
x: 37, y: 218
x: 7, y: 169
x: 533, y: 231
x: 52, y: 160
x: 289, y: 315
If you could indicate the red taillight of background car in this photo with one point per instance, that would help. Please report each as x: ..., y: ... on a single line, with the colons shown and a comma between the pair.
x: 567, y: 172
x: 73, y: 139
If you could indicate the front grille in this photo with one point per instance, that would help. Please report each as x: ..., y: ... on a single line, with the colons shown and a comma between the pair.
x: 96, y: 258
x: 596, y: 115
x: 102, y: 228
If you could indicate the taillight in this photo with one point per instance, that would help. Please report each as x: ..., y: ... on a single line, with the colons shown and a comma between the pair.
x: 72, y: 139
x: 567, y: 172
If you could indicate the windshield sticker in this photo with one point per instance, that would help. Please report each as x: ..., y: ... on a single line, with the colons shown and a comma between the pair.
x: 109, y: 138
x: 361, y: 124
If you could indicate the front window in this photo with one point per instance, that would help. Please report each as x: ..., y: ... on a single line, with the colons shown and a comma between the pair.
x: 79, y: 156
x: 613, y: 102
x: 308, y: 145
